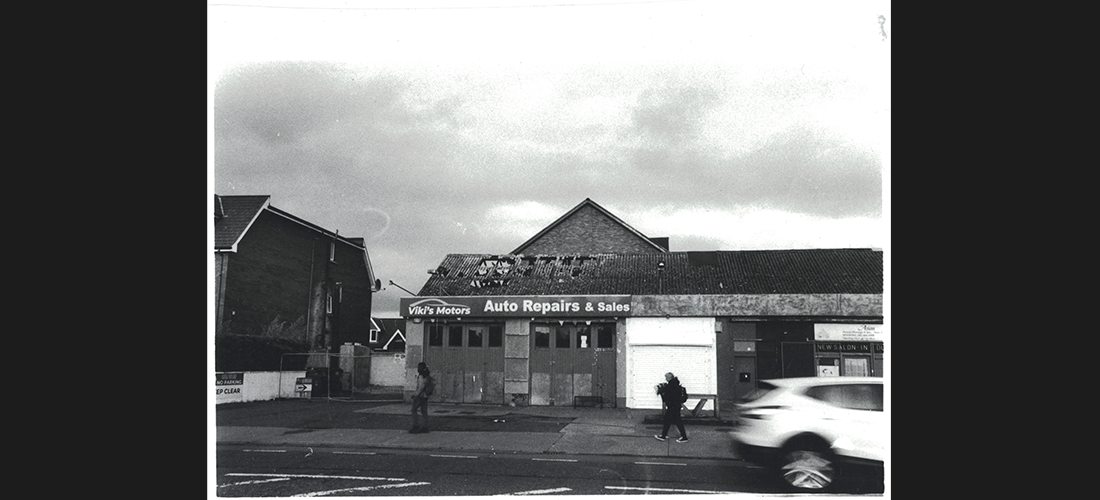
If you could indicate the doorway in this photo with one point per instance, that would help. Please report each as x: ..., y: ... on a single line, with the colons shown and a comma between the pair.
x: 570, y: 360
x: 467, y: 361
x: 744, y: 376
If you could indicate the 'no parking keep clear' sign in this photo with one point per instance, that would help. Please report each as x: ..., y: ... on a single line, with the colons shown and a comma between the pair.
x: 227, y: 386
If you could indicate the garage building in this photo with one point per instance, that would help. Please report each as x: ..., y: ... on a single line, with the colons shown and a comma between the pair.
x: 591, y: 309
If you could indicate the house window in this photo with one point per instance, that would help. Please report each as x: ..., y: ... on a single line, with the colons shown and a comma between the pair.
x: 328, y: 303
x: 584, y: 336
x: 373, y: 336
x: 605, y: 336
x: 496, y: 336
x: 542, y: 336
x: 475, y: 338
x: 435, y: 335
x: 562, y: 340
x: 332, y: 251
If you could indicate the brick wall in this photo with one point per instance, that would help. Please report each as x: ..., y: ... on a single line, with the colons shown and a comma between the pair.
x: 588, y: 231
x: 271, y: 275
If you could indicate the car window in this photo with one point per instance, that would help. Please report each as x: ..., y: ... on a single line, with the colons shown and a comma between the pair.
x: 762, y: 388
x: 850, y: 396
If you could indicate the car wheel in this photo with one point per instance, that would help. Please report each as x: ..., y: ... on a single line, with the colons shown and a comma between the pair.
x: 809, y: 466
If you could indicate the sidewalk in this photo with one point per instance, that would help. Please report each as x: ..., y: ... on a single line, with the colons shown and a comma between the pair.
x: 589, y: 431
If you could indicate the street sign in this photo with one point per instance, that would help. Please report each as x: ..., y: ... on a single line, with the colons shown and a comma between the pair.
x: 303, y: 387
x: 227, y: 386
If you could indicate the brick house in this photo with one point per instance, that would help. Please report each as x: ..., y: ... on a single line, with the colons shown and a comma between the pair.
x: 276, y: 271
x: 591, y: 307
x: 390, y: 336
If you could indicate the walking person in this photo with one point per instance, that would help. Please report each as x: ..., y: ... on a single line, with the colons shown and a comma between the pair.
x: 674, y: 395
x: 425, y: 385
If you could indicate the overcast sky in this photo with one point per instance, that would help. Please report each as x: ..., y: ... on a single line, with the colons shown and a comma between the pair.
x: 466, y: 126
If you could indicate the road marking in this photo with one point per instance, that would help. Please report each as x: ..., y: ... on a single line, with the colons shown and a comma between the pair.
x: 554, y: 459
x: 656, y: 463
x: 361, y: 488
x: 264, y: 451
x: 242, y: 483
x: 537, y: 492
x: 452, y: 456
x: 667, y: 490
x: 353, y: 453
x: 316, y: 476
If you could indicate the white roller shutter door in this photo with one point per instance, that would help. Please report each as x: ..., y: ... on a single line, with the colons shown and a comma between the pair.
x: 683, y: 346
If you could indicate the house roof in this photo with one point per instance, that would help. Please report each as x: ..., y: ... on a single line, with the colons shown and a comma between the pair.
x: 855, y: 271
x: 233, y: 215
x: 238, y: 213
x: 398, y: 337
x: 390, y: 325
x: 391, y: 331
x: 586, y: 203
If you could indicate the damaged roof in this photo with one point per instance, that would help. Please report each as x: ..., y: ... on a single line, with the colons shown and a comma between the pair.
x: 851, y: 271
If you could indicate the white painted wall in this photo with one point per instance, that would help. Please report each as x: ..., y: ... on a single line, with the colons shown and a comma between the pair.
x: 387, y: 368
x: 262, y: 386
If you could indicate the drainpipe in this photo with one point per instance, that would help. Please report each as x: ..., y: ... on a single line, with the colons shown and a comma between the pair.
x: 309, y: 289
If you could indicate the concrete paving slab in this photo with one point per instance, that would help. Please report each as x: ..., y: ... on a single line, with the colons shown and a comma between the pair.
x: 588, y: 431
x: 226, y: 434
x: 594, y: 444
x: 604, y: 428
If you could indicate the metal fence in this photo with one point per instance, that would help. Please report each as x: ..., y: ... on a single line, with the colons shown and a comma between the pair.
x: 330, y: 376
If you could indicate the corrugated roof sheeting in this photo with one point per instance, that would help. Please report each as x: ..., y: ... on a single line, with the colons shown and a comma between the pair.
x: 685, y: 273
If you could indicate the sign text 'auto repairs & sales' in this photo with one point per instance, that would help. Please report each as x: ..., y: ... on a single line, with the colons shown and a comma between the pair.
x: 511, y: 306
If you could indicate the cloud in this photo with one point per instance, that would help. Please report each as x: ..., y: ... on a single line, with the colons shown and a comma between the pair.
x: 809, y: 170
x: 671, y: 117
x: 431, y: 156
x: 753, y: 228
x: 520, y: 221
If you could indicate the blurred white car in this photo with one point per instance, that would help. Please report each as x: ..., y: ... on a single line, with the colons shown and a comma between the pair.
x: 812, y: 428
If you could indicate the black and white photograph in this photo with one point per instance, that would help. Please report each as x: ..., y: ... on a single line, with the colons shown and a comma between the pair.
x: 478, y: 248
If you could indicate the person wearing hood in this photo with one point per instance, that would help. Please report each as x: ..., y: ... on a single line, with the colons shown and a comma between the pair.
x: 424, y: 388
x: 673, y: 396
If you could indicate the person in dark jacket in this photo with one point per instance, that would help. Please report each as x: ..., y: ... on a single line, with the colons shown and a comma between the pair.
x: 670, y: 394
x: 420, y: 398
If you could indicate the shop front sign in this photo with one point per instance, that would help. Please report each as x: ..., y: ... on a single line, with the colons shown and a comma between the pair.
x: 531, y: 306
x: 849, y: 332
x: 844, y: 347
x: 228, y: 386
